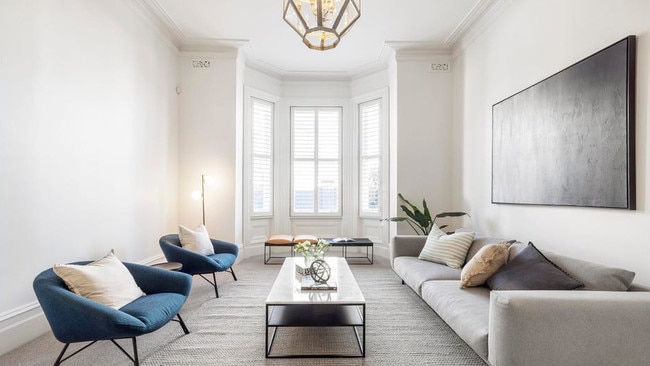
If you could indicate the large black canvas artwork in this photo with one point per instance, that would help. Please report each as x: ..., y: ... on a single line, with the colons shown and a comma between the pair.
x: 569, y: 139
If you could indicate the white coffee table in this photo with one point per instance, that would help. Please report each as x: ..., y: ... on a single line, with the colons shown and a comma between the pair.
x: 289, y: 306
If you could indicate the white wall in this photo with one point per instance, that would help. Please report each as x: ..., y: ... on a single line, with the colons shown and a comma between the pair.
x: 424, y: 129
x: 530, y: 41
x: 209, y: 142
x: 87, y: 144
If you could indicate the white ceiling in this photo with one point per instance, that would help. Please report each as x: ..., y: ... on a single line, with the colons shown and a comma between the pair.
x: 269, y: 42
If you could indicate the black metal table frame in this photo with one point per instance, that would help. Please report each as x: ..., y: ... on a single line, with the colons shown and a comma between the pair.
x: 348, y: 315
x: 358, y: 242
x: 267, y: 252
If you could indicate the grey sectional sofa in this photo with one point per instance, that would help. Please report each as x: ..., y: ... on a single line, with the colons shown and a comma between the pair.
x: 605, y: 323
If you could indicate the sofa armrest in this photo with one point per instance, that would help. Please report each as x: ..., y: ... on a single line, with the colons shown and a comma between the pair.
x: 406, y: 245
x: 568, y: 328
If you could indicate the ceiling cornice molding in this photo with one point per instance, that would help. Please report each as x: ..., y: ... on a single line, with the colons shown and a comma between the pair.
x: 221, y: 46
x: 465, y: 25
x: 476, y: 21
x: 418, y: 51
x: 479, y: 17
x: 158, y: 17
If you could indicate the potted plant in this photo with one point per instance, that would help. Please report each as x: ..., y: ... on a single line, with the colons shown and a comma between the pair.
x: 420, y: 220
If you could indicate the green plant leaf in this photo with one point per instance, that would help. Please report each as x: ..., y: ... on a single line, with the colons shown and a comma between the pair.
x: 427, y: 215
x: 420, y: 220
x: 452, y: 214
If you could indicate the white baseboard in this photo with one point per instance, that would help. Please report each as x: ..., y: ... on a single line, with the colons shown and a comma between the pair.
x: 21, y: 325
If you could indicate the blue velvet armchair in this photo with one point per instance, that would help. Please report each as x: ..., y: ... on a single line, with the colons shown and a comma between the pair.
x: 74, y: 318
x: 194, y: 263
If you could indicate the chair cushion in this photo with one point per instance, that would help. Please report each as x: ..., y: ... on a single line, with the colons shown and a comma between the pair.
x: 106, y: 281
x: 450, y: 250
x: 279, y: 239
x: 196, y: 240
x: 155, y: 310
x: 223, y: 260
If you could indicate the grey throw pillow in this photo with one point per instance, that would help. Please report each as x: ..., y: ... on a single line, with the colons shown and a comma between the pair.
x: 531, y: 270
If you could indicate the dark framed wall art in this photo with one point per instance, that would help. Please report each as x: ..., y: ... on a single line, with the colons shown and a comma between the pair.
x: 569, y: 139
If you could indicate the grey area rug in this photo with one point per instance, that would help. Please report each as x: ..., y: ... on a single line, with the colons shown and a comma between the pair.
x: 401, y: 329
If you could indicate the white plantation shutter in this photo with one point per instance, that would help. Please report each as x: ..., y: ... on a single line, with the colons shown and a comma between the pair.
x: 316, y: 154
x: 370, y: 157
x: 262, y: 156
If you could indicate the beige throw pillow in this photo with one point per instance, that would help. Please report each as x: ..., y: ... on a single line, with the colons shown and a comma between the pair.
x: 196, y: 240
x: 446, y: 249
x: 484, y: 264
x: 106, y: 281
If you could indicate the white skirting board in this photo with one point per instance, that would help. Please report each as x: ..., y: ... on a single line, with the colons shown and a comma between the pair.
x: 21, y: 325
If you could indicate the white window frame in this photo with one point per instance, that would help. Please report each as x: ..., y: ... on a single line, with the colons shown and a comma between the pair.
x: 316, y: 159
x: 378, y: 157
x: 250, y: 96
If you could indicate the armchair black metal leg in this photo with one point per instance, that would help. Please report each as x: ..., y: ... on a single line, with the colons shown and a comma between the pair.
x: 232, y: 271
x: 136, y: 361
x: 213, y: 283
x: 182, y: 323
x: 214, y: 278
x: 58, y: 359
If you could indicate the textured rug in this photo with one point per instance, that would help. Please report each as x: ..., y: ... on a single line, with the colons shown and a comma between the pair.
x: 401, y: 329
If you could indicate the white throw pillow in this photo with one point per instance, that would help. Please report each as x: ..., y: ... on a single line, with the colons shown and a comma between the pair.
x: 106, y: 281
x: 196, y: 241
x: 446, y: 249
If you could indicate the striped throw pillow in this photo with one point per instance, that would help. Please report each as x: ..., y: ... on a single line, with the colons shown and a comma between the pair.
x: 446, y: 249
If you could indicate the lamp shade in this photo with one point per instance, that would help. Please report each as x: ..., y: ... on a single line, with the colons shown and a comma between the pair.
x: 321, y: 23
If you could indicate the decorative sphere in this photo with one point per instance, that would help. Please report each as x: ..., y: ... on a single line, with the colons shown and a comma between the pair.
x: 320, y: 271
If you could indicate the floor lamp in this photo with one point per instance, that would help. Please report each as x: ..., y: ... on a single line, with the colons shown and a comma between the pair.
x: 196, y: 195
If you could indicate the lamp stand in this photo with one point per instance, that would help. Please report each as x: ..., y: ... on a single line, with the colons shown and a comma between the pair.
x: 203, y: 196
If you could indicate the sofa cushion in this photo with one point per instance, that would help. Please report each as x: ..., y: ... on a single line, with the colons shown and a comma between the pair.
x: 484, y: 264
x: 414, y: 271
x: 595, y: 277
x: 446, y: 249
x: 465, y: 311
x: 515, y: 249
x: 530, y: 270
x: 478, y: 243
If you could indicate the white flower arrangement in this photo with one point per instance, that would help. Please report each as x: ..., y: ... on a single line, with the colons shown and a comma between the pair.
x: 312, y: 249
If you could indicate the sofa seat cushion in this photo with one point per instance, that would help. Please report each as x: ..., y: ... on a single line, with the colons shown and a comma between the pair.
x: 466, y: 311
x: 414, y: 271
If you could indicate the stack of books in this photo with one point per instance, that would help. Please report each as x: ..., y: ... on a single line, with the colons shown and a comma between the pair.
x: 308, y: 284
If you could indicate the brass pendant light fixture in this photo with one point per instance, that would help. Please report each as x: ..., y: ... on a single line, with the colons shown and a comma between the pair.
x: 321, y: 23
